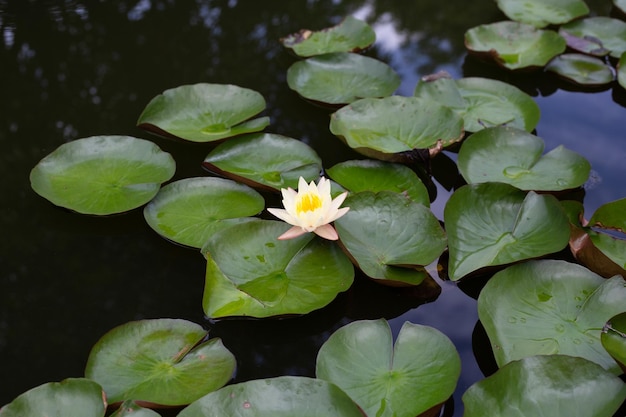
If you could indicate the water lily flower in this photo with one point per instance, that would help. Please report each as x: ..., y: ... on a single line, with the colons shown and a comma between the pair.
x: 310, y: 209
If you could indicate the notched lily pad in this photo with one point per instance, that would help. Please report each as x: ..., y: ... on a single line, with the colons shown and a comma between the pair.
x: 581, y: 69
x: 351, y: 35
x: 541, y: 13
x: 614, y: 339
x: 609, y: 32
x: 130, y: 408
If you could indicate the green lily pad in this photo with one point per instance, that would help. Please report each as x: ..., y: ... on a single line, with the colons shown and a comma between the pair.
x: 265, y: 160
x: 371, y: 175
x: 482, y: 102
x: 541, y: 13
x: 581, y: 69
x: 550, y: 307
x: 387, y: 233
x: 251, y: 273
x: 351, y: 35
x: 285, y: 396
x: 621, y: 70
x: 204, y: 112
x: 383, y: 379
x: 494, y: 224
x: 102, y: 175
x: 611, y: 216
x: 130, y: 408
x: 163, y: 361
x: 515, y: 45
x: 611, y: 33
x: 341, y: 78
x: 189, y: 211
x: 72, y: 397
x: 382, y: 128
x: 587, y: 45
x: 613, y: 339
x: 514, y: 156
x: 554, y: 385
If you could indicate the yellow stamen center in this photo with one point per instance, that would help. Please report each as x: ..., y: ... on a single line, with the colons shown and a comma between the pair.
x: 308, y: 202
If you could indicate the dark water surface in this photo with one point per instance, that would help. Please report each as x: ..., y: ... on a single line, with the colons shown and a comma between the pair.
x: 72, y: 69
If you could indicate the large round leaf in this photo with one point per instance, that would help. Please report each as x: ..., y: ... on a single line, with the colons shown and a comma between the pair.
x: 581, y: 69
x: 482, y: 102
x: 611, y: 33
x: 341, y: 78
x: 383, y: 127
x: 513, y: 156
x: 351, y: 35
x: 515, y: 45
x: 251, y: 273
x: 614, y: 338
x: 496, y: 224
x: 102, y: 174
x: 541, y: 13
x: 372, y: 175
x: 204, y: 112
x: 72, y: 397
x: 285, y: 396
x: 161, y: 361
x: 386, y: 233
x: 554, y: 385
x: 549, y: 307
x: 130, y: 408
x: 188, y: 211
x: 266, y: 160
x: 405, y: 380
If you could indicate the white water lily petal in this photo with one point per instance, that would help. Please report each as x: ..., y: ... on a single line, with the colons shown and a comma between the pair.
x: 327, y: 232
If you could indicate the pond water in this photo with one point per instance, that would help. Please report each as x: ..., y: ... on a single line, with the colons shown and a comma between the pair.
x: 72, y: 69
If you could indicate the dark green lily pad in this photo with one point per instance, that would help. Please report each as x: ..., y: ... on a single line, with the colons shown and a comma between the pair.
x: 382, y: 128
x: 541, y: 13
x: 550, y: 307
x: 559, y: 385
x: 102, y: 175
x: 204, y: 112
x: 341, y: 77
x: 251, y: 273
x: 371, y: 175
x: 494, y: 224
x: 614, y: 339
x: 351, y: 35
x: 387, y: 234
x: 581, y: 69
x: 514, y: 156
x: 611, y: 216
x: 265, y: 160
x: 189, y: 211
x: 515, y: 45
x: 611, y: 33
x: 383, y: 379
x: 482, y: 102
x: 285, y: 396
x: 72, y: 397
x: 130, y: 408
x: 163, y: 362
x: 621, y: 70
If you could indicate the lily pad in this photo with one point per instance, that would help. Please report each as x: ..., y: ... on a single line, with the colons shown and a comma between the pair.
x: 550, y: 307
x: 620, y: 5
x: 102, y: 175
x: 581, y: 69
x: 515, y: 45
x: 611, y: 33
x: 494, y: 224
x: 371, y: 175
x: 386, y: 233
x: 163, y: 361
x: 189, y: 211
x: 130, y: 408
x: 482, y: 102
x: 285, y: 396
x: 72, y: 397
x: 382, y: 128
x: 587, y: 45
x: 251, y: 273
x: 514, y: 156
x: 562, y: 386
x: 351, y: 35
x: 541, y: 13
x: 383, y: 379
x: 621, y: 70
x: 204, y: 112
x: 265, y: 160
x: 614, y: 339
x: 341, y: 78
x: 611, y: 216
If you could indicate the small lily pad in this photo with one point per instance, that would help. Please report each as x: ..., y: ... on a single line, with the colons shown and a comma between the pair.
x: 550, y: 307
x: 614, y: 339
x: 189, y: 211
x: 581, y: 69
x: 265, y: 160
x: 383, y: 379
x: 541, y: 13
x: 514, y: 156
x: 102, y: 175
x: 204, y: 112
x: 587, y: 45
x: 621, y: 70
x: 515, y: 45
x: 611, y: 215
x: 130, y: 408
x: 610, y: 32
x: 163, y: 362
x: 340, y: 78
x: 351, y: 35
